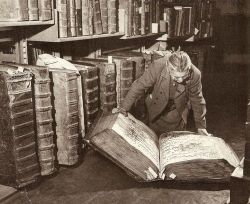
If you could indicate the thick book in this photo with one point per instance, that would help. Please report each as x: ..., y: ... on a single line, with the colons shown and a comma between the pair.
x: 66, y: 115
x: 90, y: 91
x: 71, y: 18
x: 137, y: 17
x: 107, y: 82
x: 78, y: 17
x: 33, y: 10
x: 124, y: 77
x: 45, y: 10
x: 91, y: 16
x: 62, y: 18
x: 43, y: 116
x: 112, y: 16
x: 104, y: 15
x: 85, y: 17
x: 97, y: 18
x: 180, y: 155
x: 18, y: 159
x: 14, y: 10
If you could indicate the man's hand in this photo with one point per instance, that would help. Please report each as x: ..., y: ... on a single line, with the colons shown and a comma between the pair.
x: 203, y: 132
x: 120, y: 110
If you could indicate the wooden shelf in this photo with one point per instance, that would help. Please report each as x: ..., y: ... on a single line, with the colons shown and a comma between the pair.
x: 142, y: 36
x: 26, y: 23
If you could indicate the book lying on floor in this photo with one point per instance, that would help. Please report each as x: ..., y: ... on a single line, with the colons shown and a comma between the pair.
x: 178, y: 155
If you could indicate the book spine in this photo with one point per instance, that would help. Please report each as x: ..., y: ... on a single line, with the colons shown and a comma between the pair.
x: 122, y: 21
x: 90, y: 82
x: 147, y: 16
x: 44, y: 120
x: 107, y: 87
x: 33, y: 10
x: 78, y: 17
x: 85, y: 17
x: 143, y: 17
x: 112, y: 16
x: 19, y: 163
x: 137, y: 17
x: 124, y: 78
x: 91, y: 17
x: 71, y: 18
x: 104, y: 15
x: 62, y: 18
x: 97, y: 19
x: 45, y: 10
x: 66, y: 116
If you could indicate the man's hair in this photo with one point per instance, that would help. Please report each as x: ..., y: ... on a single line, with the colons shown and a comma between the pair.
x: 179, y: 61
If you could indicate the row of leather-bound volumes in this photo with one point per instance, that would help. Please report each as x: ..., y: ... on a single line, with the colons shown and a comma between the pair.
x: 25, y: 10
x: 86, y: 17
x: 46, y: 112
x: 139, y: 17
x: 183, y: 17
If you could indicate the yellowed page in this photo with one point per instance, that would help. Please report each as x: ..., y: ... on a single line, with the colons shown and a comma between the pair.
x: 139, y: 136
x: 185, y: 146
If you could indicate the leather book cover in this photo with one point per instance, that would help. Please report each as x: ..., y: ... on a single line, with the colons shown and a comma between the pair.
x: 43, y: 117
x: 112, y: 16
x: 45, y: 10
x: 78, y: 17
x: 14, y: 10
x: 71, y: 18
x: 107, y: 81
x: 97, y: 18
x: 90, y: 91
x: 18, y: 159
x: 137, y: 17
x: 85, y: 17
x: 62, y: 18
x: 104, y: 15
x: 66, y: 115
x: 33, y: 10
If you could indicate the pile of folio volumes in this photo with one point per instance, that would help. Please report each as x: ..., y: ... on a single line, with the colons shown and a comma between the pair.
x: 178, y: 155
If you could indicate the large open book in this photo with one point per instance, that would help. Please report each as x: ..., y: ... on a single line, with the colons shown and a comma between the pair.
x: 179, y: 155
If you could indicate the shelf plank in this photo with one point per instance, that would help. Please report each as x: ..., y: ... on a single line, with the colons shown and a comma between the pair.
x: 71, y: 39
x: 25, y: 23
x: 141, y: 36
x: 87, y: 37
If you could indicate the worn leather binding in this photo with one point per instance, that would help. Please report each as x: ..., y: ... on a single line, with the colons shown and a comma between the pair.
x: 97, y: 19
x: 14, y: 10
x: 112, y: 16
x: 65, y: 105
x: 71, y: 18
x: 33, y: 10
x: 43, y: 117
x: 90, y: 91
x: 107, y: 82
x: 78, y: 17
x: 62, y: 18
x: 45, y: 10
x: 104, y: 15
x: 18, y: 159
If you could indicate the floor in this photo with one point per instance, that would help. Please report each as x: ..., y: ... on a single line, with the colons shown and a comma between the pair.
x: 97, y: 180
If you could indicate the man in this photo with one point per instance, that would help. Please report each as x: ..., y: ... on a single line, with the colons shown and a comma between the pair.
x: 174, y: 86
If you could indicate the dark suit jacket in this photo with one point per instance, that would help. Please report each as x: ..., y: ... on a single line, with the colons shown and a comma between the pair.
x: 157, y: 77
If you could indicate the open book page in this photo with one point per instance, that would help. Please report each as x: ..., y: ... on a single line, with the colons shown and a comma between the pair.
x: 185, y: 146
x: 139, y: 136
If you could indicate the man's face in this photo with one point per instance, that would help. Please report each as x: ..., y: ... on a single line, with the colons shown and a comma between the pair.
x: 180, y: 77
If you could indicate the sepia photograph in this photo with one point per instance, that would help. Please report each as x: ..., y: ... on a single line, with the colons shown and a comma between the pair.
x: 124, y: 102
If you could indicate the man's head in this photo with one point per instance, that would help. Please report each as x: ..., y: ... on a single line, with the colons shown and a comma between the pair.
x: 179, y: 65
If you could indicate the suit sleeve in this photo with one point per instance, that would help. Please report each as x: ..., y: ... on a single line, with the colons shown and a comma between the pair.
x: 141, y: 85
x: 197, y: 101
